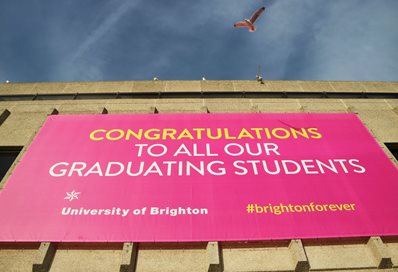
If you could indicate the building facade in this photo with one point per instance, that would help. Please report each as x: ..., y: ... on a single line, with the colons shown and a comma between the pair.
x: 25, y: 106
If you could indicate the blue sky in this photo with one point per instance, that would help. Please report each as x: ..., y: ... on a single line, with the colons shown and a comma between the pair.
x: 90, y: 40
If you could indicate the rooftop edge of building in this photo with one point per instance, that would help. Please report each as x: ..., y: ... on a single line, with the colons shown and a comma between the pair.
x: 197, y: 86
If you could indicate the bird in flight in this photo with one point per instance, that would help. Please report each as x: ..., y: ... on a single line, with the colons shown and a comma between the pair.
x: 249, y: 22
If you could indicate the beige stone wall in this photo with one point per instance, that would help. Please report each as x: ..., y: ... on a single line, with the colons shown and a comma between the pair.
x: 196, y: 86
x: 24, y: 119
x: 320, y: 255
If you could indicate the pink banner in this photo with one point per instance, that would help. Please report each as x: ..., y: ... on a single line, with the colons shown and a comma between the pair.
x: 200, y: 177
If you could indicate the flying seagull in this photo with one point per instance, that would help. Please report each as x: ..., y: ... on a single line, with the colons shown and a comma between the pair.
x: 249, y: 22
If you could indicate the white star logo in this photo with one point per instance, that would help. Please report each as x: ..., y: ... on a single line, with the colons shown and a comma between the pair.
x: 72, y: 195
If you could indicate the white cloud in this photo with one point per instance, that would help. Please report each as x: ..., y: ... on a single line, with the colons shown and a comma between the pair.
x: 103, y: 28
x: 87, y: 60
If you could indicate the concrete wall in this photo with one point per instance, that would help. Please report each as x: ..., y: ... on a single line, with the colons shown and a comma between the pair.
x: 20, y: 120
